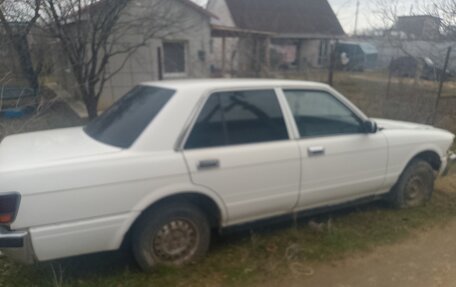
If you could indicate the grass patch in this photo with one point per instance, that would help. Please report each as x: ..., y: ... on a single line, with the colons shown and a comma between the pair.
x: 250, y: 258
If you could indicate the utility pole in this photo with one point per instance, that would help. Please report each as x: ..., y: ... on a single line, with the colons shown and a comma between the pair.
x: 355, y: 32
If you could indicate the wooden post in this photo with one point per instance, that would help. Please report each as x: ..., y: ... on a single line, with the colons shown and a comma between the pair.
x: 441, y: 82
x: 299, y: 56
x: 223, y: 56
x: 160, y: 64
x: 332, y: 64
x: 388, y: 85
x: 443, y: 76
x: 267, y: 56
x: 257, y: 58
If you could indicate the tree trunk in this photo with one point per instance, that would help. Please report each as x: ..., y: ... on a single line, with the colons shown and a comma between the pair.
x: 92, y: 107
x: 90, y: 99
x: 26, y: 62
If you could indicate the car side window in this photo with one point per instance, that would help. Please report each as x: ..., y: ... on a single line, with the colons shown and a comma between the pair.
x: 208, y: 130
x: 318, y: 113
x: 234, y: 118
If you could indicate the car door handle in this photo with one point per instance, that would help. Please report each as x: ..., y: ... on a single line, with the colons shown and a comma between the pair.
x: 316, y: 151
x: 208, y: 164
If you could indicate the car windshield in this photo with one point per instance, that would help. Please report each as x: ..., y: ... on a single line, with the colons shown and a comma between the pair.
x: 125, y: 121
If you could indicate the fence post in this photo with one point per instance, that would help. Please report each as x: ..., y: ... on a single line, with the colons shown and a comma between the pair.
x: 441, y: 82
x: 388, y: 85
x: 332, y: 64
x: 160, y: 64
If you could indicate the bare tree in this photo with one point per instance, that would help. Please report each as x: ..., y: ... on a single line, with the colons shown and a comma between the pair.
x: 429, y: 48
x: 94, y: 32
x: 431, y: 44
x: 18, y: 18
x: 445, y: 10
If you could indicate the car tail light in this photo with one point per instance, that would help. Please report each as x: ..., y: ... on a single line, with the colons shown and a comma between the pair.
x: 9, y: 204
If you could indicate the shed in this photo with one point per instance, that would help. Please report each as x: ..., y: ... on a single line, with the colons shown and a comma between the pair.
x: 359, y: 56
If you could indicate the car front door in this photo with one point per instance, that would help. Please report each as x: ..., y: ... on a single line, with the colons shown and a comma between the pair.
x: 240, y: 148
x: 340, y: 161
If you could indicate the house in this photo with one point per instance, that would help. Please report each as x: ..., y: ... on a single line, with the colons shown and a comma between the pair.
x: 418, y: 36
x: 419, y: 27
x: 177, y: 51
x: 251, y: 37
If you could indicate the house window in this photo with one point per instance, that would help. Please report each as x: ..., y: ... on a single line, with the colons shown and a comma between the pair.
x: 174, y: 57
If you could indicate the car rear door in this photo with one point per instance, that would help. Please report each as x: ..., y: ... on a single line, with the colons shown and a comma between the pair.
x: 240, y: 148
x: 340, y: 161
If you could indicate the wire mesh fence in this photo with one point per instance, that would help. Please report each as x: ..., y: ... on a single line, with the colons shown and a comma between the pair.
x: 417, y: 95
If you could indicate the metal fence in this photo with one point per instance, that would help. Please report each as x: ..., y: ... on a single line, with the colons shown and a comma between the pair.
x: 393, y: 93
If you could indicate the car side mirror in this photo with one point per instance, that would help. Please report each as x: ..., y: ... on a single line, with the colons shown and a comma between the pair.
x: 370, y: 127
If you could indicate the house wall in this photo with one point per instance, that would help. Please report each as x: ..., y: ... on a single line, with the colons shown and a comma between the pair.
x: 185, y: 25
x: 231, y: 57
x: 310, y: 52
x: 219, y: 8
x: 419, y: 27
x: 249, y: 57
x: 143, y: 65
x: 240, y: 52
x: 242, y: 55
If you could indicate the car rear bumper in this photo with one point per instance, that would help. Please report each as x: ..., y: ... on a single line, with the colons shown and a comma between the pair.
x: 450, y: 165
x: 16, y: 245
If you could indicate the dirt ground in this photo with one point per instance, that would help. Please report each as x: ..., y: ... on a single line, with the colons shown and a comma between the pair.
x: 426, y: 259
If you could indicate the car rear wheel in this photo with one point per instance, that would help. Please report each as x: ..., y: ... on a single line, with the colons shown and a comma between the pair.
x: 415, y: 186
x: 172, y: 235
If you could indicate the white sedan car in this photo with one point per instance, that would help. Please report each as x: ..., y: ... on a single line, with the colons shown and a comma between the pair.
x: 172, y: 160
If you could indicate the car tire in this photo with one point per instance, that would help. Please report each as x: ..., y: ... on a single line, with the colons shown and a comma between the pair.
x: 173, y: 234
x: 414, y: 187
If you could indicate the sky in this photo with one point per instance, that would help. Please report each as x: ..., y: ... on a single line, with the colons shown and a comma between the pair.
x: 369, y: 16
x: 368, y: 12
x: 346, y: 11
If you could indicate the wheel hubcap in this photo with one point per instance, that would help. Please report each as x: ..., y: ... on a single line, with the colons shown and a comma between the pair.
x: 176, y: 241
x: 415, y: 191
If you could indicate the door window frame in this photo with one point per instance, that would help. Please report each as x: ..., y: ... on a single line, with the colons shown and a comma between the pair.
x: 284, y: 108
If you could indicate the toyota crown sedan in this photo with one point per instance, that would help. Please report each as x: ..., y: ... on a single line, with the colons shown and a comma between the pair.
x: 171, y: 161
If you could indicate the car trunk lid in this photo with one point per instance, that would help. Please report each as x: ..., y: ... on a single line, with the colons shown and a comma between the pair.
x: 47, y: 147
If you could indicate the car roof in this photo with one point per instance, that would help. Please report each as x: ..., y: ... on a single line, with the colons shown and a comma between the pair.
x: 209, y: 84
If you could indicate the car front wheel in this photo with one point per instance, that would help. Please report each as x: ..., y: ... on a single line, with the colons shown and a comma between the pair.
x: 172, y: 235
x: 415, y: 186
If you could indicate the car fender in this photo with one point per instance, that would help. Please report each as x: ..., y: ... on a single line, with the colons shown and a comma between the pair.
x: 396, y: 171
x: 165, y: 192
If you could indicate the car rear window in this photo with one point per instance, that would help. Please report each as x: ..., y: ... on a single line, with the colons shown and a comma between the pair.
x: 125, y: 121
